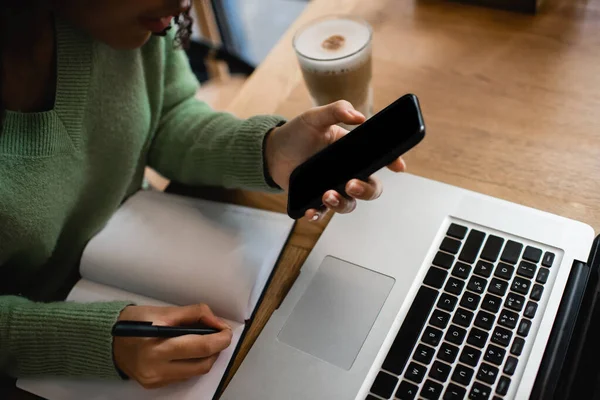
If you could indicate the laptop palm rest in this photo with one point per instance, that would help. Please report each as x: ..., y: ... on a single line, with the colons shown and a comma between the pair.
x: 336, y: 312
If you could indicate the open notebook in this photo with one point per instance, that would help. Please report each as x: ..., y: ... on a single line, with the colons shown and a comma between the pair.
x: 161, y: 249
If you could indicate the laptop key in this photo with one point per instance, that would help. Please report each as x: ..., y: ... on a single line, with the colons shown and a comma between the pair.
x: 470, y: 356
x: 454, y: 286
x: 407, y: 391
x: 424, y: 354
x: 508, y: 319
x: 510, y: 366
x: 491, y: 303
x: 494, y: 354
x: 450, y: 245
x: 439, y: 319
x: 520, y: 285
x: 504, y: 271
x: 448, y: 352
x: 415, y: 372
x: 487, y: 373
x: 462, y: 374
x: 480, y: 391
x: 435, y: 277
x: 526, y: 269
x: 483, y: 268
x: 498, y: 287
x: 457, y: 231
x: 384, y: 385
x: 432, y: 336
x: 440, y: 371
x: 532, y: 254
x: 461, y: 270
x: 477, y: 338
x: 454, y: 392
x: 447, y: 302
x: 514, y: 301
x: 472, y: 245
x: 470, y: 300
x: 443, y: 260
x: 492, y: 248
x: 410, y: 330
x: 511, y: 252
x: 530, y: 309
x: 542, y: 276
x: 524, y: 327
x: 548, y: 259
x: 463, y: 317
x: 536, y: 292
x: 477, y: 284
x: 431, y: 390
x: 517, y: 346
x: 455, y: 335
x: 501, y: 336
x: 503, y: 385
x: 485, y: 320
x: 371, y: 397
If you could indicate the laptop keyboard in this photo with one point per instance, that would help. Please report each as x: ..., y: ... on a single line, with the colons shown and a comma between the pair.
x: 465, y: 332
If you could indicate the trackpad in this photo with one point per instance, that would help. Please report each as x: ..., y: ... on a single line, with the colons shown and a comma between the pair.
x: 336, y: 312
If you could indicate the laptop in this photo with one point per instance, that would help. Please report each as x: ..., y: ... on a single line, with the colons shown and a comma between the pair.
x: 431, y: 292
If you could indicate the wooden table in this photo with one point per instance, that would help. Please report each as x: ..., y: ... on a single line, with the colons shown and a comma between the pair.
x: 511, y: 103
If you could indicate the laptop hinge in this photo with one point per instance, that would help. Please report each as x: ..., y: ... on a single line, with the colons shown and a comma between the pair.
x: 570, y: 359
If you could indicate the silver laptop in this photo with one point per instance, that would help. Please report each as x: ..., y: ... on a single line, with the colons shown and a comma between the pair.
x: 431, y: 292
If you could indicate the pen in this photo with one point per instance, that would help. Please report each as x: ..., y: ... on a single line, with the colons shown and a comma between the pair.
x: 146, y: 329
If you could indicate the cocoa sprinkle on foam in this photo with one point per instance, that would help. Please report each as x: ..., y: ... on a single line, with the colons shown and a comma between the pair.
x: 334, y: 42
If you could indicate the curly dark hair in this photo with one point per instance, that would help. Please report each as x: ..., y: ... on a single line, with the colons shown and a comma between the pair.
x: 184, y: 24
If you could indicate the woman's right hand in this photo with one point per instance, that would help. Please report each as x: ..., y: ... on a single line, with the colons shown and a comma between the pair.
x: 155, y: 362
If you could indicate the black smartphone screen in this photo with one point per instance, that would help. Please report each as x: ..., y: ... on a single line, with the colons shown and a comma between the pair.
x: 360, y: 153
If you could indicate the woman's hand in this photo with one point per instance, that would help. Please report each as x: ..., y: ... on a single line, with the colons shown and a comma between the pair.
x: 293, y: 143
x: 155, y: 362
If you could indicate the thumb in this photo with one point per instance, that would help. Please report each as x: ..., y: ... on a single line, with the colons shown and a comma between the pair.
x: 193, y: 314
x: 339, y: 112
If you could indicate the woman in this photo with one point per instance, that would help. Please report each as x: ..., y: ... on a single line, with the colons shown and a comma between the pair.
x: 89, y: 98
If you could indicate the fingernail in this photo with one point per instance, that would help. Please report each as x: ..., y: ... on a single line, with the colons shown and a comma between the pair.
x: 355, y: 113
x: 315, y: 217
x: 184, y: 3
x: 332, y: 201
x: 355, y: 189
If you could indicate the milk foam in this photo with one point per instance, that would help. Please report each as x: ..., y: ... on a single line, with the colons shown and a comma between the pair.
x: 354, y: 51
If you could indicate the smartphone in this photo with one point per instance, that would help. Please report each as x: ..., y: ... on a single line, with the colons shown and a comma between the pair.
x: 365, y: 150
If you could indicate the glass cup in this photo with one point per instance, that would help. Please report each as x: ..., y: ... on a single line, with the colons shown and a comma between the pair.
x: 334, y: 54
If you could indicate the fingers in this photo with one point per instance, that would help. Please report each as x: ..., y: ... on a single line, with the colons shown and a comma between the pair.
x: 339, y: 112
x: 398, y: 165
x: 335, y: 202
x: 315, y: 215
x: 357, y: 189
x: 195, y: 346
x: 189, y: 368
x: 193, y: 314
x: 369, y: 190
x: 177, y: 371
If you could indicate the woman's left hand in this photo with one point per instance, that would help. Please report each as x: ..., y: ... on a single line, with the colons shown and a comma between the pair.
x: 293, y: 143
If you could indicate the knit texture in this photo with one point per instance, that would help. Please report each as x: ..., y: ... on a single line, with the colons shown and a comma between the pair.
x: 64, y: 172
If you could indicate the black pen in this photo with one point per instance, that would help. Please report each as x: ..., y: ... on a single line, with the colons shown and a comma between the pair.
x: 146, y: 329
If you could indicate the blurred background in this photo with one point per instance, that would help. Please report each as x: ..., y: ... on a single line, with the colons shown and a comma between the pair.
x: 247, y: 30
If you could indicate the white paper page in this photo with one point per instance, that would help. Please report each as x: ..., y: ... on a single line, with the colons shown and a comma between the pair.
x: 201, y: 388
x: 186, y: 251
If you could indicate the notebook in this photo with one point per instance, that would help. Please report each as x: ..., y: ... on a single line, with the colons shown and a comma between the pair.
x: 164, y: 249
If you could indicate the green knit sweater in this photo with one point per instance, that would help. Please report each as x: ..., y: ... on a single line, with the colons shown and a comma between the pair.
x: 64, y: 172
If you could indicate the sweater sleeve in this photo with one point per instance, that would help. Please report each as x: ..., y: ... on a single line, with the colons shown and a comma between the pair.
x: 195, y: 145
x: 57, y: 339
